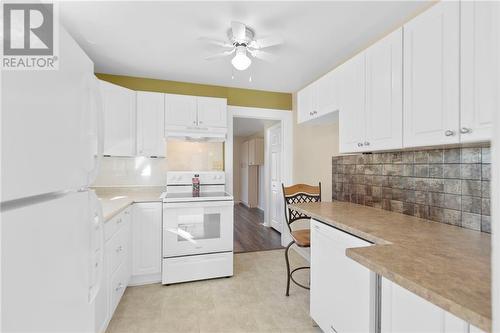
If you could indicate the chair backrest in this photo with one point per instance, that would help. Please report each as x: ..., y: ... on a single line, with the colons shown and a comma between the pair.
x: 299, y: 193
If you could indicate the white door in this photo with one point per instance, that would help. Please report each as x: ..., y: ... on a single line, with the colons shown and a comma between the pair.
x: 146, y: 238
x: 384, y: 93
x: 119, y: 120
x: 352, y: 117
x: 180, y: 110
x: 342, y: 290
x: 44, y: 118
x: 212, y: 112
x: 150, y: 124
x: 197, y: 228
x: 404, y: 312
x: 431, y: 76
x: 244, y: 173
x: 479, y: 69
x: 276, y: 204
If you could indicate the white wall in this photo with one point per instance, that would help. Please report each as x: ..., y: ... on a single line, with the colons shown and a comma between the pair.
x: 313, y: 147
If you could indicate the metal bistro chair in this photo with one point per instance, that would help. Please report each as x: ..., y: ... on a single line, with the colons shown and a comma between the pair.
x: 299, y: 193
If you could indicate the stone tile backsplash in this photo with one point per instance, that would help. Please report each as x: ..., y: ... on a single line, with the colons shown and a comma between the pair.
x: 444, y: 185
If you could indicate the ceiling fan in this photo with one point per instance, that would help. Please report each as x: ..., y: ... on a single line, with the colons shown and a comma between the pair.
x: 242, y: 43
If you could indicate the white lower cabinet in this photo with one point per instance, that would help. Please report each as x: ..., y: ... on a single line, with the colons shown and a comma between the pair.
x: 146, y: 242
x: 402, y: 311
x: 342, y: 291
x: 117, y: 255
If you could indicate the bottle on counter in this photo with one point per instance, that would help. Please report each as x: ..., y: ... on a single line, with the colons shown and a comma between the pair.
x: 196, y: 185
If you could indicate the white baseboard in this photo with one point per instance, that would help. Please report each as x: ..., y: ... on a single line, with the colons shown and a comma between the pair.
x: 139, y: 280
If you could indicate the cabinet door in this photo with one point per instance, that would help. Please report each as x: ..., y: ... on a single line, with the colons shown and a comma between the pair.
x: 403, y: 311
x: 352, y: 116
x: 384, y: 93
x: 119, y: 120
x: 212, y: 112
x: 180, y: 111
x: 325, y: 97
x: 150, y: 124
x: 431, y: 77
x: 342, y: 291
x: 146, y: 238
x: 479, y: 69
x: 304, y: 105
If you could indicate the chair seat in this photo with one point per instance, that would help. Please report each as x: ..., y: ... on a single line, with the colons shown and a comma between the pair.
x: 302, y: 237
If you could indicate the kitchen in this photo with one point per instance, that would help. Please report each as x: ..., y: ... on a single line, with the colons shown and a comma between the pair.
x: 118, y: 200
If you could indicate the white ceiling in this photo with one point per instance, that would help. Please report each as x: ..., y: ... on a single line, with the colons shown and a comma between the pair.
x: 248, y: 126
x: 160, y: 39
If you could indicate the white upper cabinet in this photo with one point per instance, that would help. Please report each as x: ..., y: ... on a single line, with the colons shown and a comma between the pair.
x: 180, y: 110
x: 384, y: 93
x: 479, y: 69
x: 192, y: 113
x: 319, y: 98
x: 352, y: 116
x: 119, y: 120
x: 304, y: 104
x: 431, y: 76
x: 150, y: 124
x: 212, y: 112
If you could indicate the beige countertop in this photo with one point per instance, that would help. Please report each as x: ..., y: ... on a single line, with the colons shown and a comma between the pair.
x: 115, y: 199
x: 446, y: 265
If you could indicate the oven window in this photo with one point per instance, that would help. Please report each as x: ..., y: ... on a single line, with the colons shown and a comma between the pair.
x: 198, y: 227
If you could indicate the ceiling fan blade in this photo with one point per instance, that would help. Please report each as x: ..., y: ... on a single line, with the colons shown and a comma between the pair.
x: 238, y: 30
x: 220, y: 55
x: 266, y: 56
x: 216, y: 42
x: 266, y: 42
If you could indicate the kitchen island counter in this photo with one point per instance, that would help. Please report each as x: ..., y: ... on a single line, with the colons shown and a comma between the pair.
x: 447, y: 265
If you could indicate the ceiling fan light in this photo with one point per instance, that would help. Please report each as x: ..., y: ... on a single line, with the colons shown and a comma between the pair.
x: 241, y: 61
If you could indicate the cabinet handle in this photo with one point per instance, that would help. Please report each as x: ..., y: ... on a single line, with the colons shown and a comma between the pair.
x: 119, y: 221
x: 360, y: 144
x: 333, y: 329
x: 367, y: 143
x: 119, y: 248
x: 120, y: 286
x: 449, y: 133
x: 315, y: 112
x: 194, y: 122
x: 310, y: 113
x: 465, y: 130
x: 200, y: 122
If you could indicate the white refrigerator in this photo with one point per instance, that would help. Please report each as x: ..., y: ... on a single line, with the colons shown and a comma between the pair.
x: 51, y: 223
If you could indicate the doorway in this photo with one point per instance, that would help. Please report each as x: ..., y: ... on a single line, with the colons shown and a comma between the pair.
x: 251, y: 232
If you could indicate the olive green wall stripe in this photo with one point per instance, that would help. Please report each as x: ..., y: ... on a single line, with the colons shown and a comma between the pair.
x: 235, y: 96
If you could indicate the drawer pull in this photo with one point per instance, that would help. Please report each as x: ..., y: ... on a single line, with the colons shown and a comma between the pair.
x: 119, y: 248
x: 120, y: 286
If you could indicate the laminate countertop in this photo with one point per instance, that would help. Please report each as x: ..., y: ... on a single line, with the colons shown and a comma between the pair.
x: 444, y: 264
x: 116, y: 199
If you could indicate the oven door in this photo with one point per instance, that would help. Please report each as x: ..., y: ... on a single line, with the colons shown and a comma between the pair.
x: 197, y: 227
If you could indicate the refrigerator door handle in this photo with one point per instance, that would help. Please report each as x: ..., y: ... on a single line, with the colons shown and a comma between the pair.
x: 96, y: 267
x: 97, y: 110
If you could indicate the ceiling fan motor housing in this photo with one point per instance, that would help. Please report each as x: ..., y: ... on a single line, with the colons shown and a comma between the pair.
x: 249, y: 35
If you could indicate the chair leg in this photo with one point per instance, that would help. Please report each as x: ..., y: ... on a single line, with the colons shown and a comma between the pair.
x: 288, y: 274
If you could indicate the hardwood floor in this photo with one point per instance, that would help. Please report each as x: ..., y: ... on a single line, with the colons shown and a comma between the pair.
x: 249, y: 233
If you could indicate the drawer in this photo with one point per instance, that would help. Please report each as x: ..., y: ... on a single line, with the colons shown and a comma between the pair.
x: 198, y: 267
x: 117, y: 285
x: 117, y: 249
x: 115, y: 224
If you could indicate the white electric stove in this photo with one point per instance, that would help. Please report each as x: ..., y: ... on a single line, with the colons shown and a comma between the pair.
x: 197, y: 228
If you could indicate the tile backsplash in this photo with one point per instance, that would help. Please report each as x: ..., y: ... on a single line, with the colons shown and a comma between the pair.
x: 444, y: 185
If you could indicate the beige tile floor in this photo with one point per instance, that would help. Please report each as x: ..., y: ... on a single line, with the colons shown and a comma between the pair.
x: 253, y: 300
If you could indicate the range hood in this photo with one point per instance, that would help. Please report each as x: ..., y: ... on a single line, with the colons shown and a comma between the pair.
x: 197, y: 135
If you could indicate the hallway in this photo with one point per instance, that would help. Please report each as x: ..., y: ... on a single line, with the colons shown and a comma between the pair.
x: 249, y: 233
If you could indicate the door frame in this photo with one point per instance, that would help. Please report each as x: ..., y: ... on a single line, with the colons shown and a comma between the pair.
x: 285, y: 117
